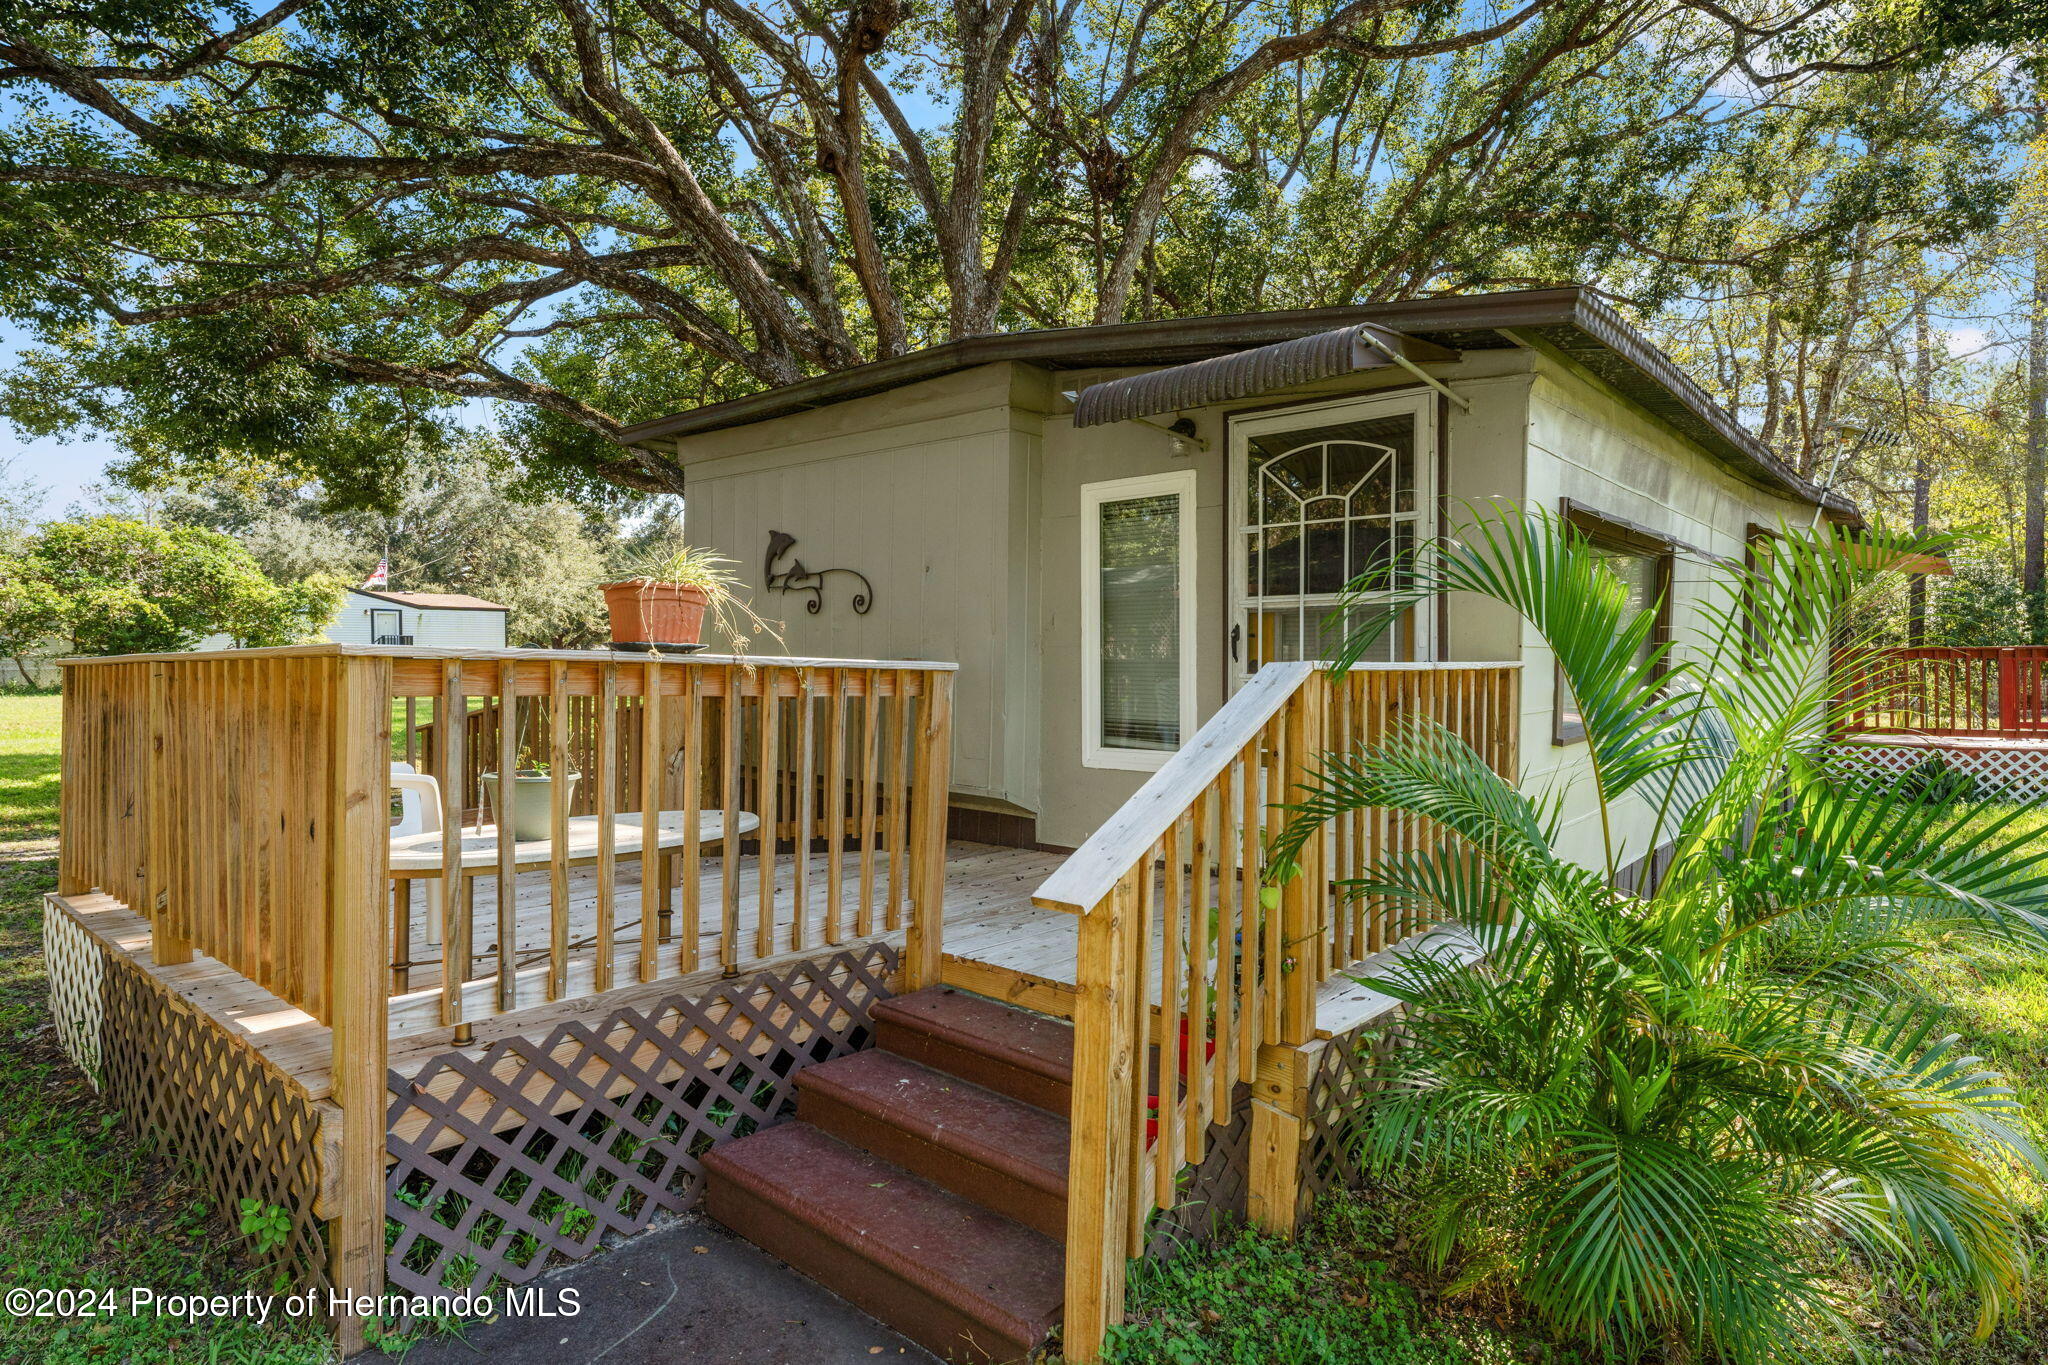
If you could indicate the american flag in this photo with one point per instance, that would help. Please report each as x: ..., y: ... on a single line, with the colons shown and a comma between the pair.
x: 381, y: 576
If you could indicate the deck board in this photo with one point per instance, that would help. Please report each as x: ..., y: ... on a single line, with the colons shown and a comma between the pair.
x: 995, y: 940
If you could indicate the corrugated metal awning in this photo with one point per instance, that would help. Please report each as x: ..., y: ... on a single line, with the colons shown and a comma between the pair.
x: 1244, y: 373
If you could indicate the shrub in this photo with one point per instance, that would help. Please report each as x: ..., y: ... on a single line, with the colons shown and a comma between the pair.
x: 1653, y: 1115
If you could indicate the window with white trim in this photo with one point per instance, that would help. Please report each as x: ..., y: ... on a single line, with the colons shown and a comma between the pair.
x: 1321, y: 494
x: 1137, y: 619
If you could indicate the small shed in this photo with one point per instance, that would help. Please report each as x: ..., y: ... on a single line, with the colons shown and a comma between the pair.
x: 446, y: 620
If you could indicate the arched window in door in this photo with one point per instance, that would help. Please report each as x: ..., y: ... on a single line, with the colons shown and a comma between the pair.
x: 1323, y: 502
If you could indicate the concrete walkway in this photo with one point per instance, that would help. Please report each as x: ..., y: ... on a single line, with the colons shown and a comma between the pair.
x: 690, y: 1291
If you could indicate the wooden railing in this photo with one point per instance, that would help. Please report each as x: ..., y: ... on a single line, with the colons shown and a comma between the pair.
x: 203, y: 792
x: 240, y: 802
x: 834, y: 772
x: 1993, y: 691
x: 1191, y: 975
x: 208, y: 794
x: 237, y: 801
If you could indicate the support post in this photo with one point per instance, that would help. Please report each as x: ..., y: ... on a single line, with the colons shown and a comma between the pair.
x: 2008, y: 692
x: 923, y: 936
x: 72, y: 840
x: 1304, y: 899
x: 1279, y: 1137
x: 358, y: 856
x: 163, y: 798
x: 1099, y: 1198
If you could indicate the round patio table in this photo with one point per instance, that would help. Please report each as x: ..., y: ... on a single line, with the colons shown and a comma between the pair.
x: 417, y: 857
x: 420, y: 855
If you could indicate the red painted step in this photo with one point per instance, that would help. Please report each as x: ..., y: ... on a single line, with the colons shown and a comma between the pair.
x: 1028, y: 1057
x: 966, y: 1283
x: 1006, y: 1155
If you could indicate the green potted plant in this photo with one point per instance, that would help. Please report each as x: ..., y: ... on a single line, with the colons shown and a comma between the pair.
x: 666, y: 602
x: 532, y: 804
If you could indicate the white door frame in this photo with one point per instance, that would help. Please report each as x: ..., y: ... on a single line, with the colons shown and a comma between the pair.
x: 1422, y: 404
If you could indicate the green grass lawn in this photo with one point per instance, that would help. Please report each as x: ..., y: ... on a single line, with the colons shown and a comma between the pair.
x: 83, y: 1205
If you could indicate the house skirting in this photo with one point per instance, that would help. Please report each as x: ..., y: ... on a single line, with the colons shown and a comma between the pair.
x: 2016, y: 769
x: 536, y: 1150
x: 216, y: 1109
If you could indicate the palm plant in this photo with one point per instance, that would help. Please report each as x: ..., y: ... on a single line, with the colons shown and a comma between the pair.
x: 1655, y: 1109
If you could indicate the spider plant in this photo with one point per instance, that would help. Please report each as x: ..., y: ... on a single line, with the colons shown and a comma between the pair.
x: 1653, y: 1112
x: 714, y: 578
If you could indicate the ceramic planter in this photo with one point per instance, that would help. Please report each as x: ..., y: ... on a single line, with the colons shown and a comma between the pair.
x: 655, y: 613
x: 532, y: 801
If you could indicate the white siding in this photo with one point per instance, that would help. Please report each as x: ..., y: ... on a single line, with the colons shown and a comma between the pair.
x: 1587, y: 444
x: 958, y: 497
x: 443, y: 628
x: 930, y: 492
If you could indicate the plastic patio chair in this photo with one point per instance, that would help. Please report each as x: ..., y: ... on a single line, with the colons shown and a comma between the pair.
x: 419, y: 812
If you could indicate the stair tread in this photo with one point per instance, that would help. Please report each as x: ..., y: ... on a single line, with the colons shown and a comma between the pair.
x: 1002, y: 1272
x: 1009, y: 1135
x: 1033, y: 1042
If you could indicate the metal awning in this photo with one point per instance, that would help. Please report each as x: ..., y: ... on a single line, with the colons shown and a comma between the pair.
x: 1241, y: 374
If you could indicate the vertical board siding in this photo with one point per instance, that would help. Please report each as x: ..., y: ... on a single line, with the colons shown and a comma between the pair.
x: 193, y: 792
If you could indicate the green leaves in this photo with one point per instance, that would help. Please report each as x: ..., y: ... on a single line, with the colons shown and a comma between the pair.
x: 1651, y: 1113
x: 218, y: 224
x: 121, y: 587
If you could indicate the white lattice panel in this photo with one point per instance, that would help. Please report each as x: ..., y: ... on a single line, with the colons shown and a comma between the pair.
x: 2017, y: 772
x: 76, y: 964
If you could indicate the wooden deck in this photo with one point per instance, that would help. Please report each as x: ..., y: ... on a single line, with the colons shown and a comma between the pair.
x: 982, y: 882
x: 996, y: 943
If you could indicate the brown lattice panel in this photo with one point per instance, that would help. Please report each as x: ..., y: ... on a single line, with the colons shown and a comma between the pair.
x: 536, y: 1148
x: 1212, y: 1195
x: 76, y: 965
x: 216, y: 1109
x: 1344, y: 1078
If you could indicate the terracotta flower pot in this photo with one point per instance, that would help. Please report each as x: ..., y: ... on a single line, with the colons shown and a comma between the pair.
x: 655, y: 613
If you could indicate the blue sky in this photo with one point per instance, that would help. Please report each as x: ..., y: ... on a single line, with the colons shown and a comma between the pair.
x: 64, y: 467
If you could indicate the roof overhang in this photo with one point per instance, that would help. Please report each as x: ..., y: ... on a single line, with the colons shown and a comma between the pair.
x: 1241, y: 374
x: 1569, y: 321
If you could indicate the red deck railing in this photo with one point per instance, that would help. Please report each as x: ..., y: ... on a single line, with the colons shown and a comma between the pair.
x: 1993, y: 691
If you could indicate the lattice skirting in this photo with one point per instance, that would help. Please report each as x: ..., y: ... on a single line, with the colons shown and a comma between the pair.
x: 1211, y: 1196
x: 2019, y: 774
x: 76, y: 965
x: 215, y: 1109
x: 1343, y: 1081
x: 536, y: 1149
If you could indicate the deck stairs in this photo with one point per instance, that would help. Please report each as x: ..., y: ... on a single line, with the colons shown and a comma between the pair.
x: 924, y: 1180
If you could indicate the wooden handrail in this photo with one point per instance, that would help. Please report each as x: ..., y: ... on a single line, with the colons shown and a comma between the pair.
x: 1093, y: 870
x: 1090, y: 871
x: 1193, y: 980
x: 437, y: 652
